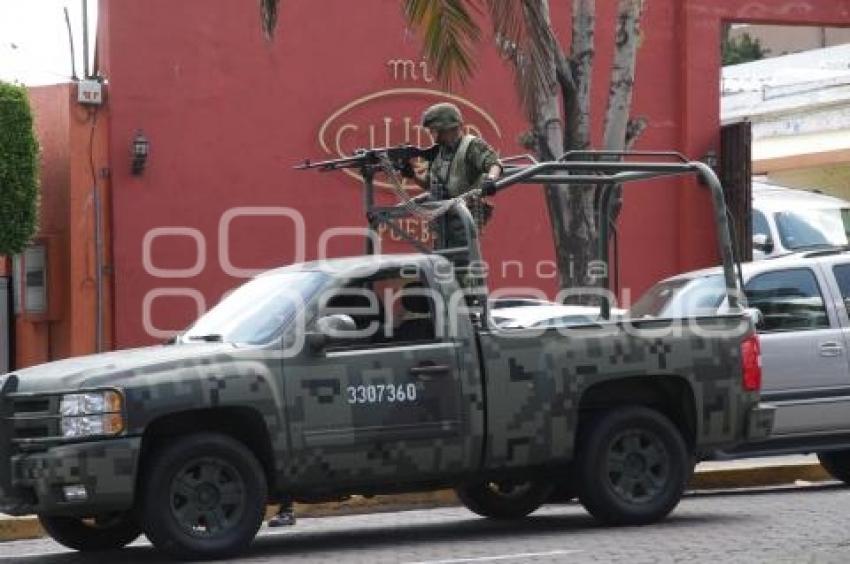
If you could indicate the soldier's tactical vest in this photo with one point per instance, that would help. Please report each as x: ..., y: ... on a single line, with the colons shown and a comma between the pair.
x: 450, y: 177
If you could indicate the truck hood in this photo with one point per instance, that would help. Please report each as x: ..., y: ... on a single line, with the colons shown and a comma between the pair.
x: 112, y: 368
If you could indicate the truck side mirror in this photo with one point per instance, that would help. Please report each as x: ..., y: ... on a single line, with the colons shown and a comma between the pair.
x: 331, y: 328
x: 762, y: 243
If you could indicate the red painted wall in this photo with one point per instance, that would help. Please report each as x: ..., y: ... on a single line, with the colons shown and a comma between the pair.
x: 228, y: 113
x: 71, y: 142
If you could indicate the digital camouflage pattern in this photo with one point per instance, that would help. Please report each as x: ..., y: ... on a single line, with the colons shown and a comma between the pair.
x: 455, y: 170
x: 523, y: 411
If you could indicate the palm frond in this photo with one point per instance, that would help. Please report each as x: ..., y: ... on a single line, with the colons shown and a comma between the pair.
x: 524, y: 36
x: 268, y: 16
x: 449, y: 33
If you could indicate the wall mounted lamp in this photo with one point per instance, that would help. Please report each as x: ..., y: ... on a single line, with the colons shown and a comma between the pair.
x: 140, y: 151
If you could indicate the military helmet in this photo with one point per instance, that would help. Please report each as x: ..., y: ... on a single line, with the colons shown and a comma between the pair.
x: 442, y: 116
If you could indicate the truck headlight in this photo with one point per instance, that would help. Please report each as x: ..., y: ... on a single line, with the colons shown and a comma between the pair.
x: 91, y: 413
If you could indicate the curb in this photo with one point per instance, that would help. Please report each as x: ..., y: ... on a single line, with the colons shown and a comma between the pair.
x: 757, y: 476
x: 22, y: 528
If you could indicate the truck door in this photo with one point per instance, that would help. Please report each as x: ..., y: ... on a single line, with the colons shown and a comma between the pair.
x: 838, y: 276
x: 804, y: 355
x: 385, y: 403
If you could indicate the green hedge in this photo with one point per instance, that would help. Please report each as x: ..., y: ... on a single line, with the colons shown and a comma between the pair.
x: 18, y: 170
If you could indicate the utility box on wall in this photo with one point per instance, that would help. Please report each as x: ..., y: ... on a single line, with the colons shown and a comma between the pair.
x: 5, y: 330
x: 38, y: 286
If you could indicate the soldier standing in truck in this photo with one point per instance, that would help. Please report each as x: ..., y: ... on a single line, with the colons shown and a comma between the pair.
x: 463, y: 163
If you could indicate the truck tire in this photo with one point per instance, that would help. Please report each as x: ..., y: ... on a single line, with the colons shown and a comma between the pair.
x: 204, y: 497
x: 837, y: 463
x: 563, y: 486
x: 632, y: 465
x: 504, y: 500
x: 562, y: 492
x: 105, y: 532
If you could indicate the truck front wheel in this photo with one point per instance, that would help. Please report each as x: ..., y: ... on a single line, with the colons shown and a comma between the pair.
x: 104, y: 532
x: 504, y: 500
x: 632, y: 466
x: 204, y: 497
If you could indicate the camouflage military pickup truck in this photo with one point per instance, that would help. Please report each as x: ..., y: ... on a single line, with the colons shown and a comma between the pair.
x: 369, y: 375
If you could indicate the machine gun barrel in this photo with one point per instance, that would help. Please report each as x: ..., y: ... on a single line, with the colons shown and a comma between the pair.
x: 398, y: 156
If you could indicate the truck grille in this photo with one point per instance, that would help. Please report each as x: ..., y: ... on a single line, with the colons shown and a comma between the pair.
x: 33, y: 421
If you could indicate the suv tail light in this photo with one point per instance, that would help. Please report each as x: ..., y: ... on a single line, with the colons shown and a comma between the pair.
x: 751, y: 363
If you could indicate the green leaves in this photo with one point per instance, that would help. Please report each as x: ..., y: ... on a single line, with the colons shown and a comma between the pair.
x: 522, y: 32
x: 525, y: 37
x: 449, y: 35
x: 743, y: 49
x: 18, y: 170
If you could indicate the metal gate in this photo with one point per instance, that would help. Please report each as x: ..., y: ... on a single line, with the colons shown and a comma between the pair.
x: 5, y: 332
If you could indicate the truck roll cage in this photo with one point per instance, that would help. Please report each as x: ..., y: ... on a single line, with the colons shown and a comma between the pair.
x: 576, y: 169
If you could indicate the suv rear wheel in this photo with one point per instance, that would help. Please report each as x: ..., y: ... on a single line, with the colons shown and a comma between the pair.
x: 837, y: 463
x: 632, y: 466
x: 104, y: 532
x: 506, y: 499
x: 204, y: 497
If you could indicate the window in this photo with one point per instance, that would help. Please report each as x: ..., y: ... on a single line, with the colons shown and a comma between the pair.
x: 259, y: 310
x: 760, y: 226
x: 683, y: 297
x: 803, y: 228
x: 761, y: 237
x: 842, y: 277
x: 388, y: 308
x: 789, y: 300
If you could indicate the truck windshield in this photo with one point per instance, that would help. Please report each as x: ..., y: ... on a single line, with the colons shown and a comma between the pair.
x: 258, y: 311
x: 684, y: 297
x: 813, y: 228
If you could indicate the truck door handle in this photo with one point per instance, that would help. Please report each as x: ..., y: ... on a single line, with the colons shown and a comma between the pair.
x: 830, y: 348
x: 430, y: 369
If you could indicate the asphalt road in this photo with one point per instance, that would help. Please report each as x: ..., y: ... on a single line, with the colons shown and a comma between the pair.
x: 800, y: 524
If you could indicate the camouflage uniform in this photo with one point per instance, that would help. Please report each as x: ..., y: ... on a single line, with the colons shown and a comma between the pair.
x: 457, y: 169
x: 478, y: 158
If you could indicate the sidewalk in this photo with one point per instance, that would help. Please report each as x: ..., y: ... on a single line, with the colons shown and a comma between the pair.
x: 744, y: 473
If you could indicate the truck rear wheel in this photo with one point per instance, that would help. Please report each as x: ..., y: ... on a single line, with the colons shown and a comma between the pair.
x: 104, y: 532
x: 563, y: 492
x: 632, y: 466
x: 205, y: 497
x: 837, y: 463
x: 504, y: 500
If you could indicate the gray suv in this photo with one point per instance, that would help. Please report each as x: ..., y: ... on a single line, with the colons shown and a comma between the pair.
x: 804, y: 300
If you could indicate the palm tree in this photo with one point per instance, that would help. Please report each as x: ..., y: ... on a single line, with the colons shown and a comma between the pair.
x: 553, y: 88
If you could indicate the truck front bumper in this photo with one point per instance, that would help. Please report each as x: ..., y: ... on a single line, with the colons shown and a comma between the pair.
x: 102, y: 475
x: 760, y: 422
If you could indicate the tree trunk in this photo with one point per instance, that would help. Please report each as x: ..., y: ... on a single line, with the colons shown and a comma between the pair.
x: 620, y: 132
x: 577, y: 102
x: 564, y: 125
x: 575, y: 246
x: 622, y: 74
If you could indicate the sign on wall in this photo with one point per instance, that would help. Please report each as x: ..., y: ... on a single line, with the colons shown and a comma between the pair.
x: 391, y: 116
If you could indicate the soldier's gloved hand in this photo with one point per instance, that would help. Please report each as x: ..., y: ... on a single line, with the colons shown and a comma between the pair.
x: 488, y: 187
